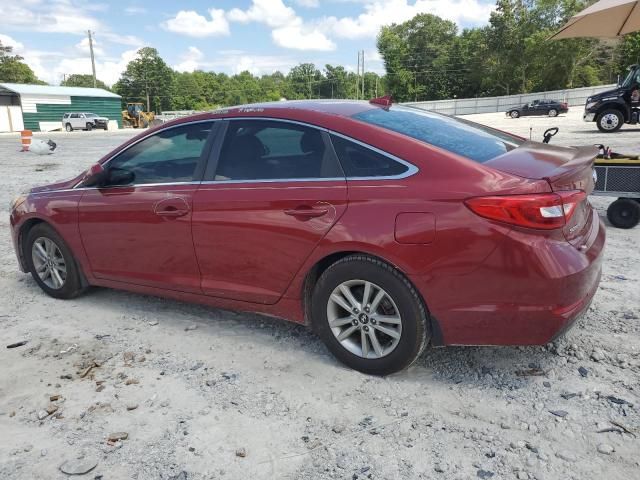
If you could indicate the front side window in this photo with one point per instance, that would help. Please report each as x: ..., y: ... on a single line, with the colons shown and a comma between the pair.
x: 462, y: 137
x: 169, y: 156
x: 272, y: 150
x: 359, y: 161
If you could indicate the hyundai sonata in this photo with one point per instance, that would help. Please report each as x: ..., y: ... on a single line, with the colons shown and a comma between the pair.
x: 385, y: 228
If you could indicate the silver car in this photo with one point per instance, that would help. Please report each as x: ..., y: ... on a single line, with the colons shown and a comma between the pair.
x: 83, y: 121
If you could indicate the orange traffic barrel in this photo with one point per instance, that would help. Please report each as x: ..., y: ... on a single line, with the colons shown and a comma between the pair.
x: 26, y: 139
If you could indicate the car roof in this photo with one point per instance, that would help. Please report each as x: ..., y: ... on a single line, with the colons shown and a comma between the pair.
x: 304, y: 110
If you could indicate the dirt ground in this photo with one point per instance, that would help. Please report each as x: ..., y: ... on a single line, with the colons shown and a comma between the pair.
x: 208, y: 394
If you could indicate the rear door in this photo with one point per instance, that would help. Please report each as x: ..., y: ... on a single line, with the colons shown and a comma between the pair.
x: 137, y: 228
x: 272, y: 193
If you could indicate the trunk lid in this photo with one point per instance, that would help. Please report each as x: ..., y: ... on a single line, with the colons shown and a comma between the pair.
x: 564, y: 168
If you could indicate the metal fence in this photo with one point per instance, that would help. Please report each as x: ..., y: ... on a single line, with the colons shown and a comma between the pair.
x: 466, y: 106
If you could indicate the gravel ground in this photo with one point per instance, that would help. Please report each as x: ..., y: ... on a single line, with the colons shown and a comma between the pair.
x: 204, y: 393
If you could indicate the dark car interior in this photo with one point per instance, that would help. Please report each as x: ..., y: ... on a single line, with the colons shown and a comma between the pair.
x: 263, y: 152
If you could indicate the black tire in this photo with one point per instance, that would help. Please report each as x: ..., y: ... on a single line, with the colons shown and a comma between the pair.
x: 89, y: 126
x: 68, y: 127
x: 607, y: 123
x: 415, y: 332
x: 514, y: 114
x: 624, y: 213
x: 72, y: 286
x: 553, y: 112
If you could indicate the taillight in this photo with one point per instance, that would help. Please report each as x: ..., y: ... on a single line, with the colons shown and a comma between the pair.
x: 546, y: 211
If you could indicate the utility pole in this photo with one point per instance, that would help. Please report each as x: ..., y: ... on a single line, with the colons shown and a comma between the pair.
x: 93, y: 60
x: 358, y: 77
x: 363, y: 75
x: 376, y: 85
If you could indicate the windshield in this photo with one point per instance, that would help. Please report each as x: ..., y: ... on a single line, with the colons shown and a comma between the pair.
x: 632, y: 77
x: 90, y: 115
x: 462, y: 137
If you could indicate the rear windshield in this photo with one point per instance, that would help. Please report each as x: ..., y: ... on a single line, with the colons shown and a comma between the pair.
x: 463, y: 137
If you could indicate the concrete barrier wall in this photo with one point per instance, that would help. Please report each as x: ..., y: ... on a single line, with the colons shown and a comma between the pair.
x: 466, y: 106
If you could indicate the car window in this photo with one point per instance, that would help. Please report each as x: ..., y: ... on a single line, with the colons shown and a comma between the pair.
x: 359, y: 161
x: 74, y: 115
x: 269, y: 150
x: 171, y: 155
x: 462, y: 137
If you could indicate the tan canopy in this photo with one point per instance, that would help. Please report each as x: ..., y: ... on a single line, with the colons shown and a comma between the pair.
x: 606, y: 18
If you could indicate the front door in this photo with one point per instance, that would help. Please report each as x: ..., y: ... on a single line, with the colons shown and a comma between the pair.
x: 276, y: 191
x: 137, y: 227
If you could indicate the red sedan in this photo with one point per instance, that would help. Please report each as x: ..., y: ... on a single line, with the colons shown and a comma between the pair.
x: 385, y: 228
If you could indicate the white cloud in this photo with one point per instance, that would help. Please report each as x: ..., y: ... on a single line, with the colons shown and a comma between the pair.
x: 134, y: 10
x: 384, y: 12
x: 59, y: 17
x: 130, y: 40
x: 299, y: 36
x: 289, y: 30
x: 190, y: 60
x: 83, y: 47
x: 273, y: 13
x: 108, y: 70
x: 308, y: 3
x: 235, y: 61
x: 191, y: 23
x: 7, y: 41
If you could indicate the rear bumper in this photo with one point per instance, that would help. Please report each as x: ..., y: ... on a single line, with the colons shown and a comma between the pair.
x: 527, y: 292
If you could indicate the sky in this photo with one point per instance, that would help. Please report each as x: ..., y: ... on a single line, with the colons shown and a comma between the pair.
x: 260, y: 36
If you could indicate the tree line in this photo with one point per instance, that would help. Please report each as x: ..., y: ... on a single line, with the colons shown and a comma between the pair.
x: 425, y: 58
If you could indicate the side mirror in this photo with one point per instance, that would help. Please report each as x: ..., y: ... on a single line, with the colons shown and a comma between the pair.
x: 120, y: 177
x: 94, y: 176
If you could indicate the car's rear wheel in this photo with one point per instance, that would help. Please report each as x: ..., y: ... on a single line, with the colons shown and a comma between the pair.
x: 553, y: 112
x: 369, y: 315
x: 51, y: 263
x: 68, y: 127
x: 514, y: 114
x: 609, y: 121
x: 624, y: 213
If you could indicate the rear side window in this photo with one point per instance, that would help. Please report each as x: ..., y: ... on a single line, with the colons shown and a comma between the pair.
x: 272, y: 150
x: 358, y: 161
x: 462, y: 137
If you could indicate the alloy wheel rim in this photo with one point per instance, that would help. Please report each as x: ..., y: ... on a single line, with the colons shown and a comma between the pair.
x: 364, y: 318
x: 49, y: 263
x: 610, y: 121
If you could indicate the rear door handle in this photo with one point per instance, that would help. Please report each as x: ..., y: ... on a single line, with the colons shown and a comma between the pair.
x: 306, y: 212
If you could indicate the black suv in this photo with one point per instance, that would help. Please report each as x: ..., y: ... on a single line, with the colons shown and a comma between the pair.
x: 551, y: 108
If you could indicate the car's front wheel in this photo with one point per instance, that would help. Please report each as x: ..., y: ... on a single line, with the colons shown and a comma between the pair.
x: 610, y: 121
x: 553, y: 112
x: 89, y: 126
x: 51, y: 263
x: 369, y: 315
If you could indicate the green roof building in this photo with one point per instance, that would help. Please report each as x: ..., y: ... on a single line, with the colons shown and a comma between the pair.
x: 41, y: 107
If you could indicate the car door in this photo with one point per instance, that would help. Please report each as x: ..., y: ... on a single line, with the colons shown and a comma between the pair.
x: 137, y: 227
x: 75, y: 121
x: 273, y: 192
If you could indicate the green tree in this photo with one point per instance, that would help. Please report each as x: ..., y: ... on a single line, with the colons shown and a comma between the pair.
x: 147, y: 79
x: 82, y: 80
x: 13, y: 69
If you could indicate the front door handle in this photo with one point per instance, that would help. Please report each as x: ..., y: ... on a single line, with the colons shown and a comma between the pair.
x: 306, y: 212
x: 171, y: 212
x: 171, y: 207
